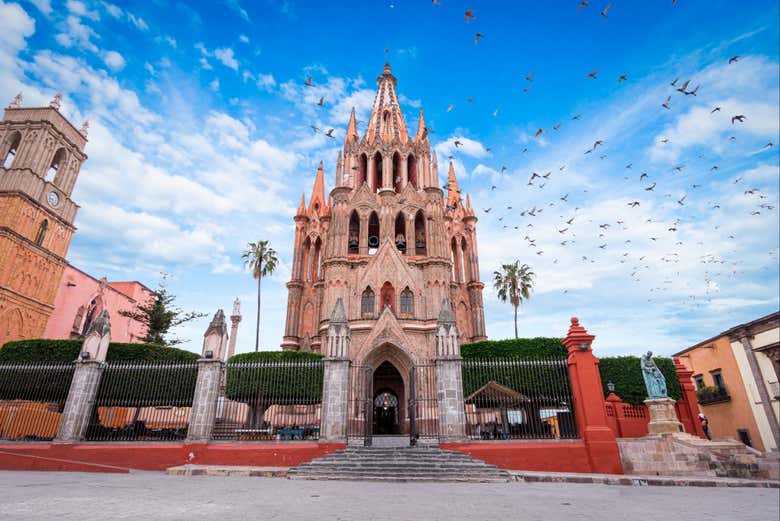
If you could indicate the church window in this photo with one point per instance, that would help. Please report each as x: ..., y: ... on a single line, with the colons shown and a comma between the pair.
x: 373, y: 233
x: 376, y: 182
x: 56, y: 162
x: 41, y: 235
x: 303, y: 267
x: 353, y: 240
x: 362, y: 170
x: 397, y: 180
x: 419, y: 234
x: 400, y: 233
x: 315, y: 261
x: 14, y: 140
x: 411, y: 170
x: 407, y: 302
x: 466, y: 262
x: 367, y: 303
x: 456, y: 270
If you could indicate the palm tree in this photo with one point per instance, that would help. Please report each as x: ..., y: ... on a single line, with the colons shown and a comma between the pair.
x: 262, y: 260
x: 513, y: 282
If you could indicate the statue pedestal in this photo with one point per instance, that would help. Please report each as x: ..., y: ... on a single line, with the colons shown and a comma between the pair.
x: 663, y: 417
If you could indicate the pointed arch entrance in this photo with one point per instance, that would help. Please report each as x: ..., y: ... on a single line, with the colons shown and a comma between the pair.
x: 390, y: 384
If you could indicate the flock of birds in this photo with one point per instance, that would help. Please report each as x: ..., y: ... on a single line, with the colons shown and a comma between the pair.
x: 718, y: 265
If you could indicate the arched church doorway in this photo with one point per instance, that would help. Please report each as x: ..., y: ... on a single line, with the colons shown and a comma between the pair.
x: 389, y: 401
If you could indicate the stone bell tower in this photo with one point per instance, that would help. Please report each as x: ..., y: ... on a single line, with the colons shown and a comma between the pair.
x: 41, y: 154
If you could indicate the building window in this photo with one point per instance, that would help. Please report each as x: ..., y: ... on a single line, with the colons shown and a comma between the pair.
x: 367, y: 303
x: 744, y: 437
x: 56, y: 162
x: 407, y: 302
x: 699, y: 381
x: 353, y: 241
x: 41, y: 235
x: 400, y: 233
x: 717, y: 380
x: 373, y: 233
x: 14, y: 140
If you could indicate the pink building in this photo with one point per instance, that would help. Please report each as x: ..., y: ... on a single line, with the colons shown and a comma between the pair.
x: 81, y: 297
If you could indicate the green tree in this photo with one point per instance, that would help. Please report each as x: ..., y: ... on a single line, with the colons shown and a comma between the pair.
x: 514, y: 283
x: 159, y: 315
x: 262, y: 260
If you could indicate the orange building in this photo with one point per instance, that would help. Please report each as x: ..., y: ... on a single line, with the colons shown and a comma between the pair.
x: 736, y: 374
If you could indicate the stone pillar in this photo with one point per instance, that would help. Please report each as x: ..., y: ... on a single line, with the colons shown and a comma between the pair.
x: 335, y: 385
x: 86, y: 379
x: 688, y: 402
x: 452, y: 415
x: 589, y: 410
x: 207, y: 385
x: 235, y: 319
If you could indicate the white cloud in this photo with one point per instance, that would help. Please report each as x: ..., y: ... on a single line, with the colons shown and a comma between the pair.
x: 214, y: 85
x: 80, y: 9
x: 226, y: 57
x: 464, y: 146
x: 137, y: 21
x: 113, y: 10
x: 244, y: 38
x: 76, y: 34
x: 43, y: 6
x: 15, y: 26
x: 113, y: 60
x: 235, y: 6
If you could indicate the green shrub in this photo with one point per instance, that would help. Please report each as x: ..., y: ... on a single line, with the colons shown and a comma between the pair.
x: 522, y: 348
x: 288, y: 377
x: 150, y: 386
x: 67, y: 350
x: 626, y: 373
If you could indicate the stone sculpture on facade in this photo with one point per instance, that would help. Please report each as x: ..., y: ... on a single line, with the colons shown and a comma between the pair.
x: 655, y: 382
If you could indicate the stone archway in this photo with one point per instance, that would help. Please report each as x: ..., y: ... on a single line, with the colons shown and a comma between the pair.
x: 392, y: 366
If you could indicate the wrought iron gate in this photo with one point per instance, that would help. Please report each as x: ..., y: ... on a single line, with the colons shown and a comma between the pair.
x: 423, y: 404
x: 360, y: 412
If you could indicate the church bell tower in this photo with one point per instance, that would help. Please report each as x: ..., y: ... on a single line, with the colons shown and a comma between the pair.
x: 41, y: 154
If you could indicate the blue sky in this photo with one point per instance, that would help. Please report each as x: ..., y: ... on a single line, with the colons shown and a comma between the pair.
x: 200, y: 142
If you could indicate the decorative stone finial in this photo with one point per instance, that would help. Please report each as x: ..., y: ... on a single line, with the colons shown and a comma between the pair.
x: 446, y: 316
x: 215, y: 338
x: 56, y: 102
x: 16, y: 102
x: 236, y: 308
x: 95, y: 347
x: 575, y: 321
x: 339, y: 315
x: 84, y: 130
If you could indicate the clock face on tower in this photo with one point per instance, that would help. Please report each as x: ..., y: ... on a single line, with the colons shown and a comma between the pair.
x: 53, y: 198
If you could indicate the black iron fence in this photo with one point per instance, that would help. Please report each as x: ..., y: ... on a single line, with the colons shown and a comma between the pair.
x: 423, y: 403
x: 143, y: 401
x: 32, y: 396
x: 279, y: 401
x: 516, y: 399
x: 360, y: 408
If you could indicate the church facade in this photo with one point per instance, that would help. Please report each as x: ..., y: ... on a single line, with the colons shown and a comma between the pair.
x: 386, y: 259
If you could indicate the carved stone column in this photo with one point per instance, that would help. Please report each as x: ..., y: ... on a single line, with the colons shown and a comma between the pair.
x: 86, y: 379
x: 335, y: 386
x: 449, y: 376
x: 207, y: 385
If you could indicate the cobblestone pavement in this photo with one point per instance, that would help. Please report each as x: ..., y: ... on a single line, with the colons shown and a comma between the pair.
x: 33, y: 496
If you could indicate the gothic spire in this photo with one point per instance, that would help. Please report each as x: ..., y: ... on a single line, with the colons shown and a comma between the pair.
x: 302, y: 206
x: 352, y: 133
x: 386, y: 121
x: 453, y: 192
x: 469, y: 209
x: 317, y: 202
x: 422, y: 130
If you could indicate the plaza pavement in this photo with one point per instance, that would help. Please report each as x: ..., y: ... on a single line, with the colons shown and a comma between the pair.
x: 33, y: 496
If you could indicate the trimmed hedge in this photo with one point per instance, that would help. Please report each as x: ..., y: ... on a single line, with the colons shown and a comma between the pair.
x: 300, y: 383
x: 66, y: 350
x: 522, y: 348
x: 28, y: 383
x: 626, y: 373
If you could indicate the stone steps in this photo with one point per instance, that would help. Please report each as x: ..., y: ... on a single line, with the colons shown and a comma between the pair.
x: 423, y: 464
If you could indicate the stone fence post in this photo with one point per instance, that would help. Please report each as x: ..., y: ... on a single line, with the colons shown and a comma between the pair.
x: 209, y: 381
x: 335, y: 385
x: 688, y: 404
x: 449, y: 376
x: 80, y: 403
x: 589, y: 409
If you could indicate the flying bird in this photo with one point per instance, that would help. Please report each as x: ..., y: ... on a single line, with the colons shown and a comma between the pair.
x: 539, y: 133
x: 321, y: 102
x: 643, y: 175
x: 308, y: 82
x: 734, y: 59
x: 683, y: 86
x: 633, y: 204
x: 593, y: 74
x: 738, y: 117
x: 666, y: 103
x: 582, y: 4
x: 449, y: 108
x: 650, y: 188
x: 606, y: 10
x: 622, y: 78
x: 329, y: 133
x: 716, y: 109
x: 478, y: 37
x: 530, y: 77
x: 469, y: 15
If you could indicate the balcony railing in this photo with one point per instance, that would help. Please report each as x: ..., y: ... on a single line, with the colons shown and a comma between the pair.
x: 714, y: 396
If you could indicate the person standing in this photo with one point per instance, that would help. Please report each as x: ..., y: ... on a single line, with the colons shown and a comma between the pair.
x: 705, y: 425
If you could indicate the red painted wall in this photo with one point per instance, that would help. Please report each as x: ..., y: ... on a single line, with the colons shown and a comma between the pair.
x: 118, y: 457
x: 552, y: 456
